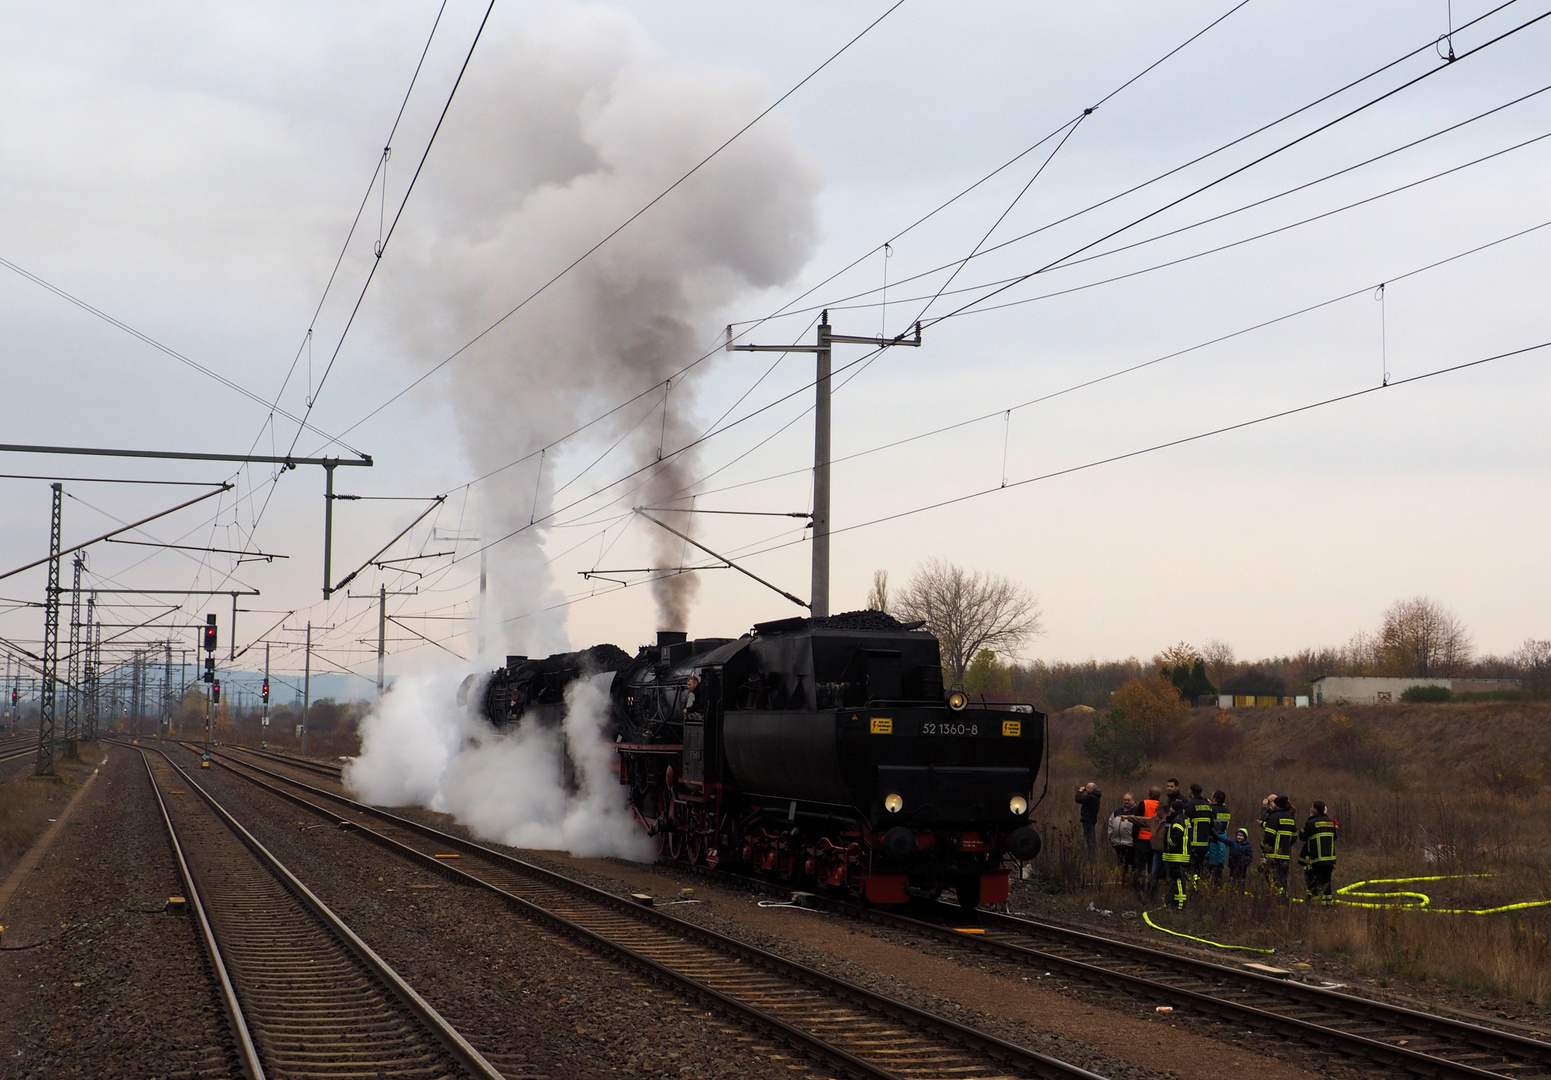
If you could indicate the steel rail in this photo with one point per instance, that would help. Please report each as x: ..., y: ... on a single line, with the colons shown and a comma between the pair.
x: 319, y: 767
x: 30, y: 749
x: 1531, y: 1052
x: 979, y: 1042
x: 247, y: 1053
x: 1528, y: 1052
x: 1408, y: 1021
x: 444, y: 1033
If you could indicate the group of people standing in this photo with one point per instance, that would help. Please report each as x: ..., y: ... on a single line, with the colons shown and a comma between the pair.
x: 1184, y: 839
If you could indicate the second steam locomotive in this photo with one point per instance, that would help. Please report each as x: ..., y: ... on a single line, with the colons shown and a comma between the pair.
x: 820, y: 751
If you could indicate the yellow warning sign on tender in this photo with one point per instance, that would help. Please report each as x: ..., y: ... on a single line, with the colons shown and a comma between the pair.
x: 883, y: 725
x: 1012, y: 727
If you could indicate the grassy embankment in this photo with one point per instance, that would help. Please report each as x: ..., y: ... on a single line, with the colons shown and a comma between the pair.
x: 28, y: 803
x: 1419, y: 790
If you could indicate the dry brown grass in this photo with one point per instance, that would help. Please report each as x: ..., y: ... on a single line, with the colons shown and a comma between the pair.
x: 1419, y: 790
x: 28, y: 802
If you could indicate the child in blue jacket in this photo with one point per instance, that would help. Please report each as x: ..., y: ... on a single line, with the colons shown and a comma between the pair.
x: 1239, y: 855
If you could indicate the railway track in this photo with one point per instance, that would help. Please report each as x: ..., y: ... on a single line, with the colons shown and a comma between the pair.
x: 303, y: 994
x: 27, y: 749
x: 1405, y: 1040
x: 1402, y: 1039
x: 320, y: 768
x: 848, y: 1027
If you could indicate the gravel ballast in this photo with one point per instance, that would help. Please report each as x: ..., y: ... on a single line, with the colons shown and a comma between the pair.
x: 96, y: 980
x: 530, y: 999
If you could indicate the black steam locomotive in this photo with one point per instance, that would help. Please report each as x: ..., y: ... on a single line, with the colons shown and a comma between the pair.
x: 821, y: 751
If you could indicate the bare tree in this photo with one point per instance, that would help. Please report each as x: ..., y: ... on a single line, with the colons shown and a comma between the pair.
x: 968, y: 612
x: 878, y: 598
x: 1219, y: 659
x: 1533, y: 660
x: 1422, y: 637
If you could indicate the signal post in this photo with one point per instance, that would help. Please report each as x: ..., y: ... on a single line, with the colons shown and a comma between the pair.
x: 214, y: 698
x: 818, y: 602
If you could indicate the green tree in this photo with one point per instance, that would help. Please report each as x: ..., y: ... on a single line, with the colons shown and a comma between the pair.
x: 986, y: 676
x: 1118, y: 745
x: 1153, y: 705
x: 1190, y: 679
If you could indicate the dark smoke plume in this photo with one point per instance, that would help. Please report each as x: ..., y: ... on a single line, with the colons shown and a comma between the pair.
x: 562, y: 133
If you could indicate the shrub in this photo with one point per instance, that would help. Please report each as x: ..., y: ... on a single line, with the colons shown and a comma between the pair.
x: 1118, y: 745
x: 1426, y: 694
x: 1155, y: 707
x: 1341, y: 744
x: 1216, y: 738
x: 1490, y: 695
x: 1190, y: 680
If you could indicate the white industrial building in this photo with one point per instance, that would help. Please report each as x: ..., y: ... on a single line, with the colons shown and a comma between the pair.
x: 1378, y: 690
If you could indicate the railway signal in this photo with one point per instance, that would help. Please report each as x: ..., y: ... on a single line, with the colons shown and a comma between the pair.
x: 264, y: 722
x: 209, y: 645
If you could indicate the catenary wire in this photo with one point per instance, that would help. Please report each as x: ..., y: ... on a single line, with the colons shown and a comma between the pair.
x: 1131, y: 368
x: 168, y: 350
x: 1112, y: 459
x: 350, y: 233
x: 382, y: 246
x: 1330, y: 95
x: 1264, y: 127
x: 1260, y: 159
x: 845, y: 304
x: 919, y: 221
x: 628, y: 221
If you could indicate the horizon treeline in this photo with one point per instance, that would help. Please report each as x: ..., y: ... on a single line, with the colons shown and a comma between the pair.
x: 1417, y: 638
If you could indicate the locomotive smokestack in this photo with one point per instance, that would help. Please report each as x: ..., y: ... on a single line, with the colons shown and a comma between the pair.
x: 671, y: 637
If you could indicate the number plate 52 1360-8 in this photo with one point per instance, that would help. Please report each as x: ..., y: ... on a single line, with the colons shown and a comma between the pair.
x: 932, y: 728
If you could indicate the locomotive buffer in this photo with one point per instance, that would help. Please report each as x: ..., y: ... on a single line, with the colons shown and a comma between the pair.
x: 818, y: 604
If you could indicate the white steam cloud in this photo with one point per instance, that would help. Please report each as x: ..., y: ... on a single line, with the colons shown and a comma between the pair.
x: 419, y: 748
x: 558, y: 136
x: 562, y: 133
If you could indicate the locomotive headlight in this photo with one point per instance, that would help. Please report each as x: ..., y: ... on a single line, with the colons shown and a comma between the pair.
x: 1018, y: 805
x: 957, y: 700
x: 893, y: 802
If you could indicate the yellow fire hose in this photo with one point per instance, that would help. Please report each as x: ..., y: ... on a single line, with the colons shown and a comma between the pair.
x: 1409, y: 901
x: 1418, y: 901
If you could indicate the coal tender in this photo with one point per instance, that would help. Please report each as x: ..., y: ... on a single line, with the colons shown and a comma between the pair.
x: 820, y: 751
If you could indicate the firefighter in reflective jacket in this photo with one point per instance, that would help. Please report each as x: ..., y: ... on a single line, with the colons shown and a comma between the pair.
x: 1198, y: 821
x: 1222, y: 817
x: 1318, y: 857
x: 1279, y: 828
x: 1176, y: 856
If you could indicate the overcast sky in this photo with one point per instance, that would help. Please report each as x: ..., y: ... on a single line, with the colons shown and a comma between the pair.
x: 192, y: 171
